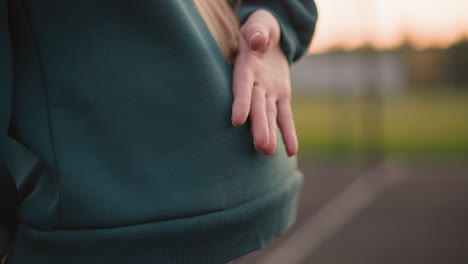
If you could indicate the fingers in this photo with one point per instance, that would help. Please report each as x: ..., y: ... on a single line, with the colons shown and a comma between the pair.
x: 259, y: 119
x: 271, y: 115
x: 288, y: 130
x: 265, y: 114
x: 243, y: 81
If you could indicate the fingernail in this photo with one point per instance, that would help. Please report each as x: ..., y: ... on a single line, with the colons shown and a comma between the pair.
x: 256, y: 148
x: 254, y: 36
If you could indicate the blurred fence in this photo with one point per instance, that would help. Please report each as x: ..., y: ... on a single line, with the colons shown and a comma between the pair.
x: 371, y: 103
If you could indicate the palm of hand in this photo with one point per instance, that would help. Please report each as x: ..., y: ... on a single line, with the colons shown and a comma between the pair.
x: 262, y: 86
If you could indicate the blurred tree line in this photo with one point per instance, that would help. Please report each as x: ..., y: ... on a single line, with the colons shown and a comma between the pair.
x: 436, y: 67
x: 427, y: 69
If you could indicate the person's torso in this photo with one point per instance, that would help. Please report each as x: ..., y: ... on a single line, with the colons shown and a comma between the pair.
x: 122, y: 116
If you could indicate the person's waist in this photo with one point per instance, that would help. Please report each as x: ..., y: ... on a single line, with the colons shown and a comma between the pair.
x: 214, y: 237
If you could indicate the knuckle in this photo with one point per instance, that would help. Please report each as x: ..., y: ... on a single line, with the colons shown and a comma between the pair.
x: 260, y: 87
x: 271, y: 111
x: 287, y: 96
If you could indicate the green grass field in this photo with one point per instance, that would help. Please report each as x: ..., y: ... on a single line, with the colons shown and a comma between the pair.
x: 408, y: 126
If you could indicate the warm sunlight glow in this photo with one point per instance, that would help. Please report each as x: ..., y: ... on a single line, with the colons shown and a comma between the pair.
x: 385, y: 23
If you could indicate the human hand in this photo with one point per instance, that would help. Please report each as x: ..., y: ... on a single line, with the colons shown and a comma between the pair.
x: 262, y: 85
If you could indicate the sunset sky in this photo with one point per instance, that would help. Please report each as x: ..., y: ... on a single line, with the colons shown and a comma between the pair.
x: 350, y: 23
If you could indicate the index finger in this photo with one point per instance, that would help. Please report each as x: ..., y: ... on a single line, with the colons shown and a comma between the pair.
x: 243, y: 81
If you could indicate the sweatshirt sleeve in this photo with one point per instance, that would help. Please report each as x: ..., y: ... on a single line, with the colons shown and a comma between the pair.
x: 8, y: 191
x: 297, y: 20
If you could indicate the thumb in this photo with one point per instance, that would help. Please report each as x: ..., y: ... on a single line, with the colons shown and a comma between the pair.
x: 257, y: 37
x: 259, y: 30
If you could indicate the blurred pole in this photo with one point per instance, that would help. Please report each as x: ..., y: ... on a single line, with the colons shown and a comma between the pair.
x: 372, y: 101
x: 372, y: 112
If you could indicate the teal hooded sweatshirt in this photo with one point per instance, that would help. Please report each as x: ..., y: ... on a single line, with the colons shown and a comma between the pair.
x: 116, y: 141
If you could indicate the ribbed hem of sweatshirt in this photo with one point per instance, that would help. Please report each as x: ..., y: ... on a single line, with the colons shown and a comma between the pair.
x: 216, y: 237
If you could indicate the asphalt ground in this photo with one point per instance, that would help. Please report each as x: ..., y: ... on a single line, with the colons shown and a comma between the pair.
x: 405, y: 212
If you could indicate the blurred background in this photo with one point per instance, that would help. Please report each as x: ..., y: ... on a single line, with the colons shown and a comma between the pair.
x: 381, y: 109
